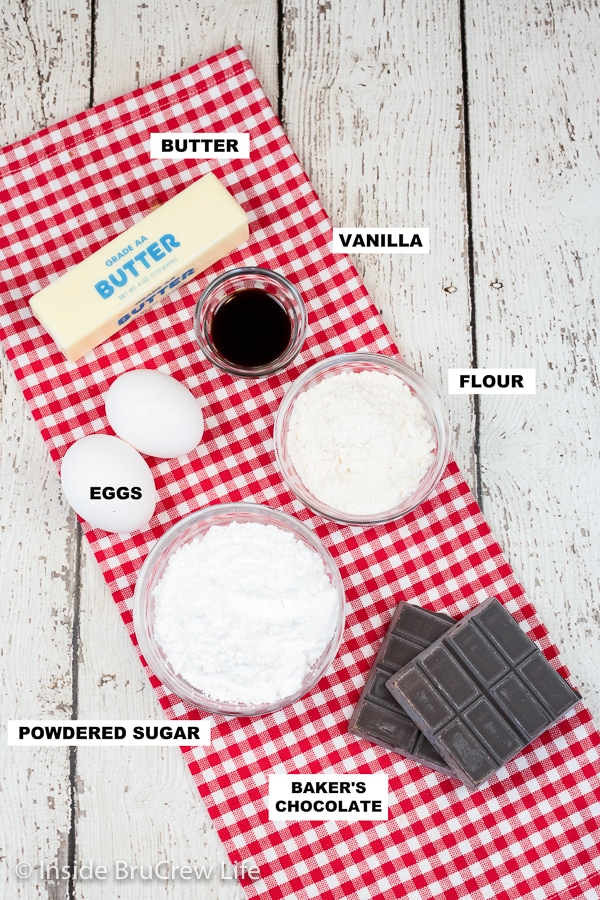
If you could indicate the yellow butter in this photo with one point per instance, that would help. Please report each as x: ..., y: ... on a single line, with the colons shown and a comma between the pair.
x: 136, y: 270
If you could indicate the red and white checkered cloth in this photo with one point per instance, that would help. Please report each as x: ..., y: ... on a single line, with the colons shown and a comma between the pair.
x: 534, y: 831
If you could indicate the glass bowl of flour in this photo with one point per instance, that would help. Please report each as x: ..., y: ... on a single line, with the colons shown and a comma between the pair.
x: 361, y: 439
x: 239, y: 609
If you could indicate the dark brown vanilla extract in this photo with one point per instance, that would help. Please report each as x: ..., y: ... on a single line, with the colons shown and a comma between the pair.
x: 251, y: 328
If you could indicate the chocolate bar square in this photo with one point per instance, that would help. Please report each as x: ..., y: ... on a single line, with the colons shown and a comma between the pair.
x: 377, y: 717
x: 481, y: 692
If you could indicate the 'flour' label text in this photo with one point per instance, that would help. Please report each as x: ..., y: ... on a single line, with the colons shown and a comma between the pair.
x: 491, y: 381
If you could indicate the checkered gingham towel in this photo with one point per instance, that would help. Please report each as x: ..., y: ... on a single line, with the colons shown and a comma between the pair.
x: 533, y: 832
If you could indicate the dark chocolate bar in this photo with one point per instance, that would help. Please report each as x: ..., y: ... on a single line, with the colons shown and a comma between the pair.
x: 481, y: 692
x: 377, y: 717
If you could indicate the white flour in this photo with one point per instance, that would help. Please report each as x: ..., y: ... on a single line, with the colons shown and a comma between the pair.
x: 244, y: 612
x: 360, y: 441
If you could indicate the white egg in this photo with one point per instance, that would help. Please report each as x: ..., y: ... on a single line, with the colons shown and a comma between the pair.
x: 108, y: 484
x: 154, y: 413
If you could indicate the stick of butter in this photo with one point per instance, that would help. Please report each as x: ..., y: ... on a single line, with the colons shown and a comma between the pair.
x: 140, y: 267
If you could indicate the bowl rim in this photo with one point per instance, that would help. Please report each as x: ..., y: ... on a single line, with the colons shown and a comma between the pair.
x: 299, y: 326
x: 174, y: 683
x: 410, y: 377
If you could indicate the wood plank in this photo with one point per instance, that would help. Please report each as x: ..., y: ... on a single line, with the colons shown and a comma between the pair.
x: 37, y: 563
x: 157, y: 41
x: 372, y: 104
x: 145, y: 797
x: 43, y: 55
x: 45, y: 61
x: 534, y: 142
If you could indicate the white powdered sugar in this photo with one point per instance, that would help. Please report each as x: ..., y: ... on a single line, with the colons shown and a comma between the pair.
x: 360, y: 441
x: 244, y: 612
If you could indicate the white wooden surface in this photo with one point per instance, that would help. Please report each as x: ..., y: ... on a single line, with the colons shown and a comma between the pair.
x: 373, y: 98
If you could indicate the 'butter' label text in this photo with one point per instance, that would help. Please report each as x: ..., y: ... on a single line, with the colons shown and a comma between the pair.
x: 227, y: 145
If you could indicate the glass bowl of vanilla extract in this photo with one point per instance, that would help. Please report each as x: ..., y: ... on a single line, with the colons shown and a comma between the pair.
x: 250, y: 322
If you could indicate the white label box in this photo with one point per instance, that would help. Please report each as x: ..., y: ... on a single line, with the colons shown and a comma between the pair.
x: 323, y: 798
x: 491, y: 381
x: 108, y: 732
x: 380, y: 240
x: 188, y: 145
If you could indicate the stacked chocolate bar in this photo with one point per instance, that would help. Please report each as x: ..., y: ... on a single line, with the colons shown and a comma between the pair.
x: 462, y: 698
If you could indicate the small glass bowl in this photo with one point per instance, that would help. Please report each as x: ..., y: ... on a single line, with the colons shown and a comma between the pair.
x: 193, y: 526
x: 246, y: 278
x: 364, y: 362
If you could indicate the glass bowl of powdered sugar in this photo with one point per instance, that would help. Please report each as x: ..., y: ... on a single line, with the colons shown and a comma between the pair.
x: 239, y: 609
x: 361, y: 439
